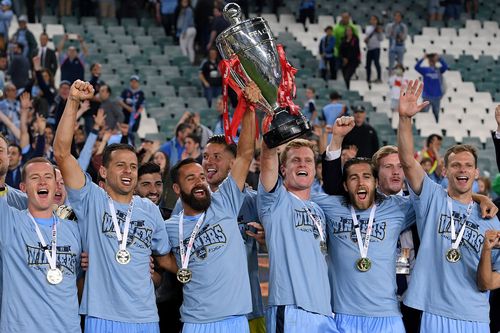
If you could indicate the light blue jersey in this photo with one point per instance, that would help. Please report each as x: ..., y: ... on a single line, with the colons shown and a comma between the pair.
x: 219, y: 287
x: 15, y: 198
x: 371, y: 293
x: 114, y: 291
x: 298, y: 269
x: 29, y: 302
x: 438, y: 286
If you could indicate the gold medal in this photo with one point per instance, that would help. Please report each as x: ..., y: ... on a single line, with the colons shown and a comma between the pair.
x: 123, y: 257
x: 184, y: 275
x: 363, y: 264
x: 453, y: 255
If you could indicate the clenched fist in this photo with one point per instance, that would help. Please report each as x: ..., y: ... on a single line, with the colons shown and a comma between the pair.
x: 81, y: 91
x: 252, y: 92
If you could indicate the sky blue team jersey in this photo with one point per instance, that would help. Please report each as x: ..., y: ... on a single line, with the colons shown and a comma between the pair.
x: 220, y: 286
x: 29, y: 302
x: 438, y: 286
x: 298, y: 269
x: 114, y: 291
x: 371, y: 293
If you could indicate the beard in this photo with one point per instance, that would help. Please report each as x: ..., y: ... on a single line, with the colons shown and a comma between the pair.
x: 199, y: 205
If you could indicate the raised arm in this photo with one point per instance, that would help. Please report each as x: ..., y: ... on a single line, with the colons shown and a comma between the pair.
x: 408, y: 107
x: 487, y: 279
x: 24, y: 139
x: 10, y: 125
x: 246, y: 143
x: 73, y: 176
x: 60, y: 45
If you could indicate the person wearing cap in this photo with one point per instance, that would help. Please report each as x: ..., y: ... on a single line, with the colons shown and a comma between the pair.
x: 73, y: 62
x: 25, y: 37
x: 132, y: 103
x: 6, y: 15
x: 327, y: 53
x: 333, y: 110
x: 362, y: 135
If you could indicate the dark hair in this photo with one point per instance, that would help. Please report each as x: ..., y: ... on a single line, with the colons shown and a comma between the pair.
x: 33, y: 161
x: 335, y: 95
x: 195, y: 138
x: 425, y: 160
x: 358, y: 160
x: 460, y: 149
x: 21, y: 46
x: 376, y: 18
x: 432, y: 136
x: 312, y: 89
x: 148, y: 168
x: 106, y: 155
x: 181, y: 127
x: 16, y: 146
x: 93, y: 65
x: 2, y: 137
x: 108, y: 88
x: 174, y: 172
x: 221, y: 140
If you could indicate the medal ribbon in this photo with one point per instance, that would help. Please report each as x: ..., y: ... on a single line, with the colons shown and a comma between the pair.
x: 363, y: 248
x: 455, y: 241
x: 316, y: 221
x: 186, y: 253
x: 51, y: 257
x: 121, y: 237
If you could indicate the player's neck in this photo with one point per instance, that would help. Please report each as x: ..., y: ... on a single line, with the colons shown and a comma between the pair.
x: 213, y: 188
x: 2, y: 182
x: 190, y: 211
x: 464, y: 198
x: 121, y: 198
x: 40, y: 213
x: 302, y: 194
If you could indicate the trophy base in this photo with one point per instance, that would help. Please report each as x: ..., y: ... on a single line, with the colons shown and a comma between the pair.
x: 284, y: 128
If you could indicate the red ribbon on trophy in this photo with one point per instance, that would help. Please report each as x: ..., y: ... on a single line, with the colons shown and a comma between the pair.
x: 286, y: 93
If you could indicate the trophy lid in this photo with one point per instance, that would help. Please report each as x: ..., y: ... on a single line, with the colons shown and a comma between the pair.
x: 232, y: 13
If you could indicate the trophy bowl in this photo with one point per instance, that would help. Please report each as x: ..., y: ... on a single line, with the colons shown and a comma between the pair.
x: 253, y: 43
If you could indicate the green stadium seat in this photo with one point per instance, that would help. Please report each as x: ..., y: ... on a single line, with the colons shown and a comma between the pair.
x: 144, y: 40
x: 65, y: 20
x: 129, y: 22
x: 135, y: 31
x: 131, y: 50
x: 188, y: 92
x: 110, y: 22
x: 170, y: 71
x: 138, y: 61
x: 197, y: 103
x: 89, y: 20
x: 159, y: 60
x: 155, y: 80
x: 123, y: 39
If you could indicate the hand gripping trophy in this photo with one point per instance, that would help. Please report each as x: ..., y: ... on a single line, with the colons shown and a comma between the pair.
x: 251, y: 54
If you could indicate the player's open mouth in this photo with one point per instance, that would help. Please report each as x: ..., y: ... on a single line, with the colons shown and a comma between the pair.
x: 302, y: 173
x: 462, y: 180
x: 126, y: 181
x: 199, y: 192
x: 43, y: 193
x: 362, y: 194
x: 211, y: 172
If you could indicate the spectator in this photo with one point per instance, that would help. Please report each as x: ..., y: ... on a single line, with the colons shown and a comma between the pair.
x: 96, y: 82
x: 436, y: 10
x: 396, y: 32
x: 6, y: 15
x: 396, y: 81
x: 3, y: 69
x: 202, y: 22
x: 472, y: 7
x: 363, y: 136
x: 192, y: 148
x: 26, y: 38
x: 197, y: 128
x: 47, y: 55
x: 210, y: 76
x: 174, y: 148
x: 453, y: 9
x: 111, y: 107
x: 65, y: 7
x: 431, y: 151
x: 186, y: 32
x: 72, y: 63
x: 339, y: 33
x: 374, y: 35
x: 11, y: 108
x: 132, y: 101
x: 347, y: 153
x: 19, y: 67
x: 59, y: 103
x: 219, y: 24
x: 433, y: 82
x: 327, y: 53
x: 13, y: 177
x: 44, y: 89
x: 107, y: 8
x: 350, y: 55
x: 165, y: 10
x: 307, y: 10
x: 309, y: 109
x: 219, y: 125
x: 333, y: 110
x: 484, y: 186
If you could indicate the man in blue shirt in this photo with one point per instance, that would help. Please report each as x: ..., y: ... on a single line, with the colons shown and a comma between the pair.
x: 451, y: 229
x: 433, y: 82
x: 327, y: 53
x: 40, y: 258
x: 207, y: 241
x: 299, y: 290
x: 174, y: 147
x: 119, y: 231
x: 133, y: 101
x: 333, y: 110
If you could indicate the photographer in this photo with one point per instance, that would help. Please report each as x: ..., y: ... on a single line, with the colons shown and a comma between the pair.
x: 374, y: 35
x: 433, y: 81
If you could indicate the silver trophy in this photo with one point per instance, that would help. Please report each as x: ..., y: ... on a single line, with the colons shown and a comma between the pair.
x: 252, y: 41
x: 403, y: 262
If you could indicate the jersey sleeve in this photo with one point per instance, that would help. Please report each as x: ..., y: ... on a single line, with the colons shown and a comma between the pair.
x: 422, y: 203
x: 8, y: 218
x: 267, y: 202
x: 232, y: 195
x: 16, y: 198
x: 83, y: 199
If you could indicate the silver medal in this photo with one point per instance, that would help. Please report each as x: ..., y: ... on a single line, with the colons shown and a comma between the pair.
x: 123, y: 257
x: 54, y: 276
x: 184, y: 275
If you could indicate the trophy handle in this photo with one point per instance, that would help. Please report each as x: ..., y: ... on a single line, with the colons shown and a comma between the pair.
x: 232, y: 13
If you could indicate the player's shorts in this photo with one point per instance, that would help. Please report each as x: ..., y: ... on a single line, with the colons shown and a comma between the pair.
x: 290, y: 319
x: 257, y: 325
x: 235, y: 324
x: 360, y: 324
x: 99, y: 325
x: 433, y: 323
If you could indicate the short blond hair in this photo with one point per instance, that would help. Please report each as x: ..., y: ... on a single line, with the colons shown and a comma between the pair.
x: 296, y: 144
x: 381, y: 153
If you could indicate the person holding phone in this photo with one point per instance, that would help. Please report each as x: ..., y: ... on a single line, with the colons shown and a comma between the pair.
x: 72, y: 62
